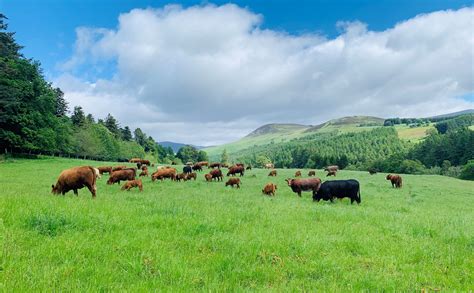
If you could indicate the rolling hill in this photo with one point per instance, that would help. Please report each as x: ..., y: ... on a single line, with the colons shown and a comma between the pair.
x: 176, y: 145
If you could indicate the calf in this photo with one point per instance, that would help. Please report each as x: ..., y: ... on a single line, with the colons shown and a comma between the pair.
x: 74, y: 179
x: 396, y: 180
x: 208, y: 177
x: 311, y: 173
x: 191, y: 176
x: 269, y: 189
x: 182, y: 176
x: 105, y: 169
x: 331, y: 173
x: 298, y: 174
x: 232, y: 182
x: 338, y: 189
x: 272, y: 173
x: 308, y: 184
x: 133, y: 183
x: 144, y: 172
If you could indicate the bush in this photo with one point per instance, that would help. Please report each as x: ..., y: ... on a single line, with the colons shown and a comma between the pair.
x: 467, y: 172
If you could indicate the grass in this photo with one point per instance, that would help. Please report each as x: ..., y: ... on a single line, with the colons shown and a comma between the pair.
x: 198, y: 236
x: 414, y: 134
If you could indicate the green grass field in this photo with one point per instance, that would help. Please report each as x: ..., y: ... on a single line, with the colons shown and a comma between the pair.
x: 198, y: 236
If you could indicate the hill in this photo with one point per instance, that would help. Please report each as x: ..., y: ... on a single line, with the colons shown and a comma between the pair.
x: 176, y: 145
x: 454, y: 114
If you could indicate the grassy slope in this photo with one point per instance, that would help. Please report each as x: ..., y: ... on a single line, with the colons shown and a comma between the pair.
x: 200, y: 236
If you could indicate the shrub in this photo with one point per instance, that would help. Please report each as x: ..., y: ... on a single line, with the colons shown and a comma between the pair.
x: 467, y: 172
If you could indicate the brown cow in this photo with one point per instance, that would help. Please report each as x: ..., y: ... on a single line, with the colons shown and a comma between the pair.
x: 197, y: 167
x: 164, y: 173
x: 181, y: 176
x: 217, y: 173
x: 298, y: 174
x: 308, y: 184
x: 192, y: 175
x: 236, y: 170
x: 232, y: 182
x: 311, y: 173
x: 121, y: 175
x: 145, y: 162
x: 331, y: 173
x: 272, y: 173
x: 372, y: 171
x: 225, y: 165
x: 332, y: 168
x: 249, y: 167
x: 134, y: 160
x: 203, y: 163
x: 74, y: 179
x: 133, y: 183
x: 215, y: 164
x: 396, y: 180
x: 269, y: 189
x: 144, y: 167
x: 144, y: 172
x: 97, y: 173
x: 121, y: 167
x: 208, y: 177
x: 240, y: 164
x: 105, y: 169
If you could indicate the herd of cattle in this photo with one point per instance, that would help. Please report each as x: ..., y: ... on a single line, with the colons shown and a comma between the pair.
x: 86, y: 176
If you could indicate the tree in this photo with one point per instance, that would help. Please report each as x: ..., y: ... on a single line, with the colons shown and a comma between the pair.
x: 8, y: 46
x: 126, y: 133
x: 90, y: 119
x: 140, y: 137
x: 467, y: 172
x: 224, y: 157
x: 78, y: 118
x: 188, y: 154
x: 202, y: 156
x: 61, y: 103
x: 112, y: 125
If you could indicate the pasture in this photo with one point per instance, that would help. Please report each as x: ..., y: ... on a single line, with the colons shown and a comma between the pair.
x: 199, y: 236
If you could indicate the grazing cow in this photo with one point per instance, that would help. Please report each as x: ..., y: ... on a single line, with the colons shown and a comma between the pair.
x: 298, y: 174
x: 145, y: 162
x: 121, y: 167
x: 197, y: 167
x: 163, y: 174
x: 208, y: 177
x: 74, y: 179
x: 269, y: 166
x: 299, y: 185
x: 311, y: 173
x: 105, y: 169
x: 203, y: 163
x: 332, y: 168
x: 144, y: 172
x: 396, y: 180
x: 249, y: 167
x: 191, y: 176
x: 240, y: 164
x: 272, y: 173
x: 97, y: 173
x: 180, y: 176
x: 232, y: 182
x: 216, y: 174
x: 372, y: 171
x: 225, y: 165
x: 187, y: 169
x: 236, y: 170
x: 121, y: 175
x: 173, y: 163
x: 269, y: 189
x: 139, y: 165
x: 189, y: 163
x: 134, y: 160
x: 331, y: 173
x: 133, y: 183
x: 215, y: 164
x: 144, y: 167
x: 338, y: 189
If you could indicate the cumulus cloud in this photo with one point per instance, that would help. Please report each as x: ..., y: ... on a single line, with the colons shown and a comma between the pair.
x: 210, y: 74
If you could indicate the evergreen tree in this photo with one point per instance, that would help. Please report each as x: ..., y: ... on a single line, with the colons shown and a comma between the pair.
x: 140, y: 137
x: 126, y: 133
x: 224, y: 157
x: 90, y: 119
x: 61, y: 103
x: 78, y: 118
x: 112, y: 125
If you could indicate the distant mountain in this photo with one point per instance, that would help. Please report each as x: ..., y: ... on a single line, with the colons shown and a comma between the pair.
x: 176, y: 145
x: 276, y: 128
x: 463, y: 112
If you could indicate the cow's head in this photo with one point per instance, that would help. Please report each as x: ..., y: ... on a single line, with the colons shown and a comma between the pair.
x: 389, y: 176
x: 54, y: 189
x: 289, y: 181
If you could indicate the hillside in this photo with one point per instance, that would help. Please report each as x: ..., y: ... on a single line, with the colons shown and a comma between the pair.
x: 177, y: 145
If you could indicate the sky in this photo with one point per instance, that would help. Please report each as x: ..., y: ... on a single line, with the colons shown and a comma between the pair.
x: 208, y: 73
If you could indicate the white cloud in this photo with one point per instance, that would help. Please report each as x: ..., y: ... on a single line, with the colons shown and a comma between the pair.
x: 209, y: 74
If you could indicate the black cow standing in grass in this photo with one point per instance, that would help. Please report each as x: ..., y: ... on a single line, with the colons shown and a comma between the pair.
x: 187, y: 169
x: 338, y: 189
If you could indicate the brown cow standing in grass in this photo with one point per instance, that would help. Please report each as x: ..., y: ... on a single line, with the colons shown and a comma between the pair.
x: 144, y: 172
x: 298, y: 174
x: 121, y: 175
x: 105, y: 169
x: 213, y: 165
x: 308, y: 184
x: 181, y: 176
x: 74, y: 179
x: 217, y: 174
x: 121, y: 167
x: 372, y: 171
x: 190, y: 176
x: 249, y: 167
x: 208, y: 177
x: 311, y: 173
x: 133, y: 183
x: 269, y: 189
x: 269, y: 166
x: 272, y: 173
x: 164, y: 173
x: 332, y: 168
x: 234, y: 170
x: 232, y: 182
x: 134, y: 160
x: 331, y: 173
x: 396, y: 180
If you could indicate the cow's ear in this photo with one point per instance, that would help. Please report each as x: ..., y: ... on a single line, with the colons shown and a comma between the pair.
x: 52, y: 185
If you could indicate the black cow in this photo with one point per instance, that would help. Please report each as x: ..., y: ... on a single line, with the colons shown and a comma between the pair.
x: 338, y: 189
x: 187, y: 169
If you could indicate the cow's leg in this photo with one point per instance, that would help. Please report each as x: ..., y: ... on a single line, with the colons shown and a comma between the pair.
x: 75, y: 192
x: 93, y: 190
x: 299, y: 193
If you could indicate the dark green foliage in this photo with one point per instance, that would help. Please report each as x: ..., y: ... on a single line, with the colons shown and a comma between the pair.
x: 78, y: 117
x: 455, y: 124
x: 126, y: 133
x: 191, y: 154
x: 467, y: 172
x: 112, y: 125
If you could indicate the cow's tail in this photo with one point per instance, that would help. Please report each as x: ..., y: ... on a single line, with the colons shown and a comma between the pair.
x: 94, y: 178
x: 358, y: 196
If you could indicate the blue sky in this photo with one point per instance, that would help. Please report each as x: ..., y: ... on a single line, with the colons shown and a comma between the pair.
x: 207, y: 73
x: 47, y: 28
